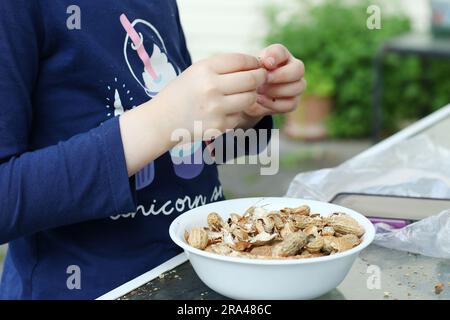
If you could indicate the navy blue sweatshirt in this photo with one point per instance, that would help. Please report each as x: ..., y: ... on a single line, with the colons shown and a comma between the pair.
x: 76, y: 225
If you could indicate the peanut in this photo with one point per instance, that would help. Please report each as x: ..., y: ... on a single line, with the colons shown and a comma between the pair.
x: 302, y: 210
x: 344, y: 224
x: 198, y: 238
x: 315, y: 244
x: 290, y: 245
x: 215, y: 221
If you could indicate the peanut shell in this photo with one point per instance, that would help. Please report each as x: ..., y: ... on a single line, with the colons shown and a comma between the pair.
x: 290, y: 245
x: 198, y: 238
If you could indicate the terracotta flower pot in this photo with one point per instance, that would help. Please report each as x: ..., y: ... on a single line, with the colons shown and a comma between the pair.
x: 307, y: 122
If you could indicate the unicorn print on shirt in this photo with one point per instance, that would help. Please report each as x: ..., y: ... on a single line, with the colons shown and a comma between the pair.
x: 153, y: 72
x: 156, y: 71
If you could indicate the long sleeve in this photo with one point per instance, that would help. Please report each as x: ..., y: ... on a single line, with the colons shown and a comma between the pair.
x: 80, y: 179
x: 65, y: 196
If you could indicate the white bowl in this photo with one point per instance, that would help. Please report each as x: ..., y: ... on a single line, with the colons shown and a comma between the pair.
x: 242, y: 278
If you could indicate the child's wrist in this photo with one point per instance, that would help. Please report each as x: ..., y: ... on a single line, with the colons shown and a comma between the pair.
x: 161, y: 122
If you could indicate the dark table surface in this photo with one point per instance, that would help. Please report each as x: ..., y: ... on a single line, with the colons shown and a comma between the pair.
x: 401, y: 275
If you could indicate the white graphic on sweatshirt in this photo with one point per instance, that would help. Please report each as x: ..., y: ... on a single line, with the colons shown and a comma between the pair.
x: 118, y: 107
x: 178, y: 205
x: 155, y: 71
x: 114, y: 105
x: 165, y: 72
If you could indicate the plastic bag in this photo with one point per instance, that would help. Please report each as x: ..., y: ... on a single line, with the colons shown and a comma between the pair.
x: 418, y: 167
x: 429, y: 237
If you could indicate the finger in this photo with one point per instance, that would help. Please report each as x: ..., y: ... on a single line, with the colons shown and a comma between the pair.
x: 281, y: 105
x: 238, y: 102
x: 243, y: 81
x: 275, y: 55
x: 234, y: 62
x: 293, y: 71
x: 284, y: 90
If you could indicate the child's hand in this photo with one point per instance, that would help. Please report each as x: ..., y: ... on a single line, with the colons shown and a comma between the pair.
x: 214, y: 91
x: 285, y: 83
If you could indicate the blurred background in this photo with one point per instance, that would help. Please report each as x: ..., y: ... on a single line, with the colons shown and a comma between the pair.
x: 336, y: 117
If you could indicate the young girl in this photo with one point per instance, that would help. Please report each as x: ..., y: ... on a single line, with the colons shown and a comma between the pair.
x: 90, y: 95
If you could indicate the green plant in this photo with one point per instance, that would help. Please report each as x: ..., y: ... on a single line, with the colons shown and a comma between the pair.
x: 278, y: 121
x: 338, y: 50
x: 321, y: 83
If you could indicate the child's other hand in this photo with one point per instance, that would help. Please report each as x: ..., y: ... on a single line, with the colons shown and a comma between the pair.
x: 214, y: 91
x: 285, y: 83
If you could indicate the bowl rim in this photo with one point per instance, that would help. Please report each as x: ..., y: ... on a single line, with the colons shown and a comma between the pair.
x: 368, y: 237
